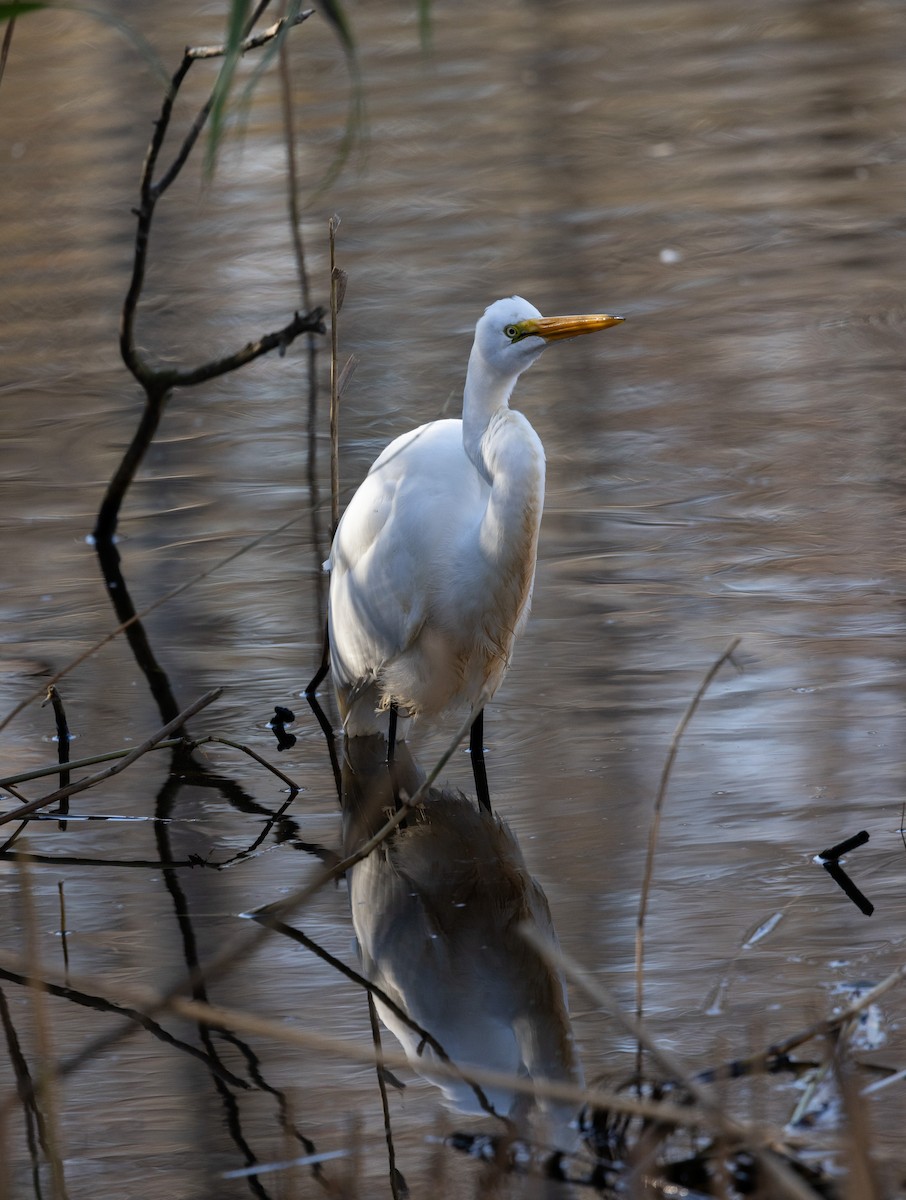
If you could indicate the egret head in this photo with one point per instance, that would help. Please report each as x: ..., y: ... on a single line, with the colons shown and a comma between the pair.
x: 512, y: 333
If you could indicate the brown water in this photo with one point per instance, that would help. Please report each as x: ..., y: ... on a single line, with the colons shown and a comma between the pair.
x: 729, y: 462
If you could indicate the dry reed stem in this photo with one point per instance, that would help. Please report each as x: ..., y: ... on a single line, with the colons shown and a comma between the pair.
x: 754, y: 1138
x: 45, y: 1088
x: 149, y: 1002
x: 242, y: 946
x: 336, y: 299
x: 382, y: 1088
x: 861, y: 1183
x: 90, y: 780
x: 654, y: 830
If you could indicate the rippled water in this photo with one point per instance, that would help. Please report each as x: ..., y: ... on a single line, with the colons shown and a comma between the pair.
x: 729, y: 462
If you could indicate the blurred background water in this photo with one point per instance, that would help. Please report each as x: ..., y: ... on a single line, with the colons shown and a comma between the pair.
x: 728, y: 462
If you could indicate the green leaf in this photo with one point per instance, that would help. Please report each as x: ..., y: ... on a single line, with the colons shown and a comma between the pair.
x: 9, y: 11
x: 239, y: 14
x: 424, y: 23
x: 333, y: 11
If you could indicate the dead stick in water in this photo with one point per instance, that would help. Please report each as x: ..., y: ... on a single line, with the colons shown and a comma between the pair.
x: 90, y: 780
x: 654, y: 830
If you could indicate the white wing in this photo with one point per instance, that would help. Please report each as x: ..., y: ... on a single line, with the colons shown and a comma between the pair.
x: 396, y: 549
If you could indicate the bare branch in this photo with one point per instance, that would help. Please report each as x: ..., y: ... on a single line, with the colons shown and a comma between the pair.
x: 252, y: 42
x: 151, y: 1003
x: 158, y: 383
x: 312, y: 322
x: 90, y: 780
x: 290, y: 783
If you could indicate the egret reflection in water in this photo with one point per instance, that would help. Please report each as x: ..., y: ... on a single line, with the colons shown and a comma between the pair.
x: 436, y: 910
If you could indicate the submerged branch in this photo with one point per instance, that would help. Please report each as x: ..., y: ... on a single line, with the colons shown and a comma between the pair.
x: 82, y: 785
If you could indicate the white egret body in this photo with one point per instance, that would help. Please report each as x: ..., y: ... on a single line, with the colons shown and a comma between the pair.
x: 433, y: 562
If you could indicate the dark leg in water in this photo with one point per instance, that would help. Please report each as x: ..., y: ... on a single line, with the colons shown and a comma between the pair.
x: 476, y: 750
x: 391, y: 732
x: 327, y: 730
x: 322, y: 670
x: 391, y: 750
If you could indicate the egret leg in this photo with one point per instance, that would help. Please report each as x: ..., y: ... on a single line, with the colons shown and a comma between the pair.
x: 322, y: 670
x: 391, y: 732
x: 476, y: 750
x: 327, y: 730
x: 391, y: 751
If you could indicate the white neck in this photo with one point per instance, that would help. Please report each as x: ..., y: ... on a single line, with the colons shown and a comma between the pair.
x: 508, y: 454
x: 486, y: 392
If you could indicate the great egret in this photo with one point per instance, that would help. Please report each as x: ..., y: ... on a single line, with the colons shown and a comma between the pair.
x: 433, y: 562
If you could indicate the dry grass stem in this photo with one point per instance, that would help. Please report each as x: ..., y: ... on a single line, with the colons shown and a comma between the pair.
x: 45, y: 1096
x: 89, y: 781
x: 337, y: 281
x: 253, y: 754
x: 757, y: 1139
x: 654, y: 830
x: 149, y: 1003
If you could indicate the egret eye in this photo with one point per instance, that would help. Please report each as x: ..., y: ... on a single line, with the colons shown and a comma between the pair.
x: 512, y: 332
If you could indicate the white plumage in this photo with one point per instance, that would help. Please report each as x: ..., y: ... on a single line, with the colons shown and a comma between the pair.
x: 433, y: 561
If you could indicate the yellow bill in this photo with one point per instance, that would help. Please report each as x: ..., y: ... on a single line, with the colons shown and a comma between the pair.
x: 555, y: 329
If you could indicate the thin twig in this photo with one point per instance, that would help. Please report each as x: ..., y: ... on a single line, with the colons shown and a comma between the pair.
x: 833, y: 1023
x: 252, y: 42
x: 335, y: 302
x: 292, y: 175
x: 139, y: 616
x: 290, y: 783
x: 149, y: 1002
x: 406, y: 803
x: 63, y: 739
x: 280, y: 339
x: 98, y: 1003
x: 263, y: 917
x: 654, y: 829
x: 90, y: 780
x: 294, y: 217
x: 64, y: 932
x: 240, y: 948
x: 159, y: 383
x: 46, y: 1095
x: 7, y: 42
x: 381, y: 1073
x: 750, y: 1137
x: 78, y: 763
x: 35, y: 1128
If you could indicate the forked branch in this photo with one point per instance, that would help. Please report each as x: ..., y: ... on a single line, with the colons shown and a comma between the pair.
x: 158, y: 383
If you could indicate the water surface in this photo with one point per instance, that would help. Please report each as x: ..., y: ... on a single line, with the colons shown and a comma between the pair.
x: 729, y: 462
